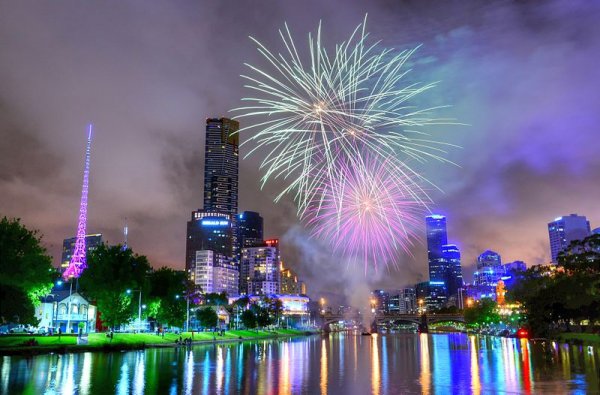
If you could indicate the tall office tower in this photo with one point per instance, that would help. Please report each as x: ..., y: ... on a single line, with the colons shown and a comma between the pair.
x: 221, y: 169
x: 91, y: 243
x: 489, y: 269
x: 259, y: 271
x: 437, y: 237
x: 250, y: 229
x: 453, y: 277
x: 563, y: 230
x: 208, y: 231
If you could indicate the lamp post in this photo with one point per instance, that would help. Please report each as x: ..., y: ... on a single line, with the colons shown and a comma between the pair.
x: 187, y: 312
x: 139, y: 305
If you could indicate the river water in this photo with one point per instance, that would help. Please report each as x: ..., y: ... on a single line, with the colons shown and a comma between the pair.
x: 335, y: 364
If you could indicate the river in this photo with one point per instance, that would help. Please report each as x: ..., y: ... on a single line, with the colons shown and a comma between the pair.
x: 335, y: 364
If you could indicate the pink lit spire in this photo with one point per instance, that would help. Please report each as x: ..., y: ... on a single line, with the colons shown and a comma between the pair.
x: 78, y: 261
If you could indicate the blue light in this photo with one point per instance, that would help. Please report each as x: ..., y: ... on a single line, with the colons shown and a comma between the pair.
x: 436, y: 283
x: 505, y: 278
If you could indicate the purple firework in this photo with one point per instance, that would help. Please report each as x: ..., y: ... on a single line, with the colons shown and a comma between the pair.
x: 370, y: 212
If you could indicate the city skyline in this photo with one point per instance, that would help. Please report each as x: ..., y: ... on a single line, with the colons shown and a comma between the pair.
x: 153, y: 176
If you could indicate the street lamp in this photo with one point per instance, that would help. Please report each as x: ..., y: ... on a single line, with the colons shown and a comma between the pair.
x: 139, y: 306
x: 187, y: 312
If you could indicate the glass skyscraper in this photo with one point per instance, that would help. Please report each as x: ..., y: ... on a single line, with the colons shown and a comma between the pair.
x: 221, y: 166
x: 563, y: 230
x: 211, y: 244
x: 437, y: 236
x: 250, y: 229
x: 451, y: 260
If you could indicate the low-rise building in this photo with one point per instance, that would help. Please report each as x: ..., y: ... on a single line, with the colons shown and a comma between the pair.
x: 59, y: 310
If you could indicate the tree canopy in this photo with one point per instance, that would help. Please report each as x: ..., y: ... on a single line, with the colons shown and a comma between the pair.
x: 26, y: 271
x: 568, y: 292
x: 112, y: 271
x: 208, y: 317
x: 167, y: 296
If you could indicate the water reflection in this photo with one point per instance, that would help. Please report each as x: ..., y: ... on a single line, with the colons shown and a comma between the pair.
x: 375, y: 374
x: 334, y: 364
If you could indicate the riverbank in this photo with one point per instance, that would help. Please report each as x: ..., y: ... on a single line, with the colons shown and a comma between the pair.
x: 579, y: 338
x: 15, y: 344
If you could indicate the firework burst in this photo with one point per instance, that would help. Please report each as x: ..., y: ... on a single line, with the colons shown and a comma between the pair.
x: 335, y: 106
x: 375, y: 217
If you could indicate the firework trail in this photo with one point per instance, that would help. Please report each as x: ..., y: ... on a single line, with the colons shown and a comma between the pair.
x: 375, y: 217
x: 338, y: 104
x: 341, y: 128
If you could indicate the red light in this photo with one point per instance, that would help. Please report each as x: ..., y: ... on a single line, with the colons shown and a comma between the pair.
x: 522, y: 333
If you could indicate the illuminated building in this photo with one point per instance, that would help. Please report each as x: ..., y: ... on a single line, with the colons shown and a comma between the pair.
x: 380, y: 301
x: 596, y: 231
x: 221, y: 166
x: 250, y: 229
x: 208, y: 231
x: 403, y: 301
x: 66, y: 310
x: 289, y: 282
x: 489, y: 269
x: 259, y: 270
x: 437, y: 295
x: 91, y: 243
x: 563, y: 230
x: 214, y: 272
x: 453, y: 272
x: 437, y: 236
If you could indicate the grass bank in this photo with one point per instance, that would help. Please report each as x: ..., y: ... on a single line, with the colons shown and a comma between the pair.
x: 14, y: 344
x: 579, y: 338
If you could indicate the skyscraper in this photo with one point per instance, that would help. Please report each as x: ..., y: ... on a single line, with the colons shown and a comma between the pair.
x: 211, y: 244
x: 489, y: 269
x: 437, y: 236
x: 221, y: 166
x: 453, y: 277
x: 209, y: 247
x: 250, y: 229
x: 563, y: 230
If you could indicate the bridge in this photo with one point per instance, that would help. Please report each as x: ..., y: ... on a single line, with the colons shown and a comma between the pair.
x: 379, y: 319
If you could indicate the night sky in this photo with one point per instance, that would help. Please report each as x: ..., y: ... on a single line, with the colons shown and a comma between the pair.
x: 522, y: 75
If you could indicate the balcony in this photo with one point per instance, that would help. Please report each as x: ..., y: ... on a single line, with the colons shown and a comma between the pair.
x: 71, y: 317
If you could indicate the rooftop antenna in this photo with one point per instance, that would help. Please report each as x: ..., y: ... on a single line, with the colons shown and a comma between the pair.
x: 125, y: 232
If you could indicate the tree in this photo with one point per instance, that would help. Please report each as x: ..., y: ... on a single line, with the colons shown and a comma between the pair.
x: 167, y: 296
x: 554, y: 297
x: 26, y: 271
x: 208, y: 317
x: 248, y: 319
x: 262, y: 315
x: 483, y: 313
x: 112, y: 271
x: 216, y: 299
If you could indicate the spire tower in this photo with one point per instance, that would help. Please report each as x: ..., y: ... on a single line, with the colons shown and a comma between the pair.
x: 78, y: 259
